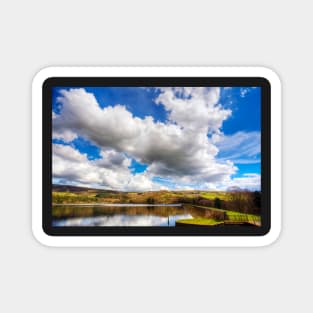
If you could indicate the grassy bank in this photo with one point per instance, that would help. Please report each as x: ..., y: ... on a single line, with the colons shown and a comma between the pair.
x: 219, y: 216
x: 235, y: 216
x: 199, y: 222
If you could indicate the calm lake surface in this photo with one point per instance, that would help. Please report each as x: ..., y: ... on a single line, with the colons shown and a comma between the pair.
x: 122, y: 215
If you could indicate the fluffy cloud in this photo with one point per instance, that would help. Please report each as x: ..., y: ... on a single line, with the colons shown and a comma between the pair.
x: 111, y: 171
x: 249, y: 181
x: 178, y: 149
x: 194, y: 108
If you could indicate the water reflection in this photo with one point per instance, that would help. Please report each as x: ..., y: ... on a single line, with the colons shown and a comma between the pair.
x: 121, y: 220
x: 121, y: 215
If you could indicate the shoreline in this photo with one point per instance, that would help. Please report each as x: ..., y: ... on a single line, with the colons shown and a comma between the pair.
x: 117, y: 204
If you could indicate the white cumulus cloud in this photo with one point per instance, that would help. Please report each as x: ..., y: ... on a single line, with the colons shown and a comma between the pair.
x: 249, y: 181
x: 184, y: 151
x: 178, y: 149
x: 111, y: 171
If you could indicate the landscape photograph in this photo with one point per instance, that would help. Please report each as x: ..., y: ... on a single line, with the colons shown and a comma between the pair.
x: 156, y: 156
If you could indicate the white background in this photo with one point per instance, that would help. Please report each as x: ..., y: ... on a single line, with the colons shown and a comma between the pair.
x: 36, y: 34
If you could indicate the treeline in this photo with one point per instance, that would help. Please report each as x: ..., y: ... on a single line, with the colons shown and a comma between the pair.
x: 239, y: 201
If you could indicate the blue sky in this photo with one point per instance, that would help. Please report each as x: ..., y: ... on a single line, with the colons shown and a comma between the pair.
x: 246, y: 116
x: 246, y: 108
x: 238, y: 110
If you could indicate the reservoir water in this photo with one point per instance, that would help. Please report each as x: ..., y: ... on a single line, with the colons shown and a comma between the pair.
x: 122, y: 215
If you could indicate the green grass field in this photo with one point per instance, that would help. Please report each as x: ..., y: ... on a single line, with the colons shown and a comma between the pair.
x: 168, y: 197
x: 70, y: 197
x: 211, y: 195
x: 233, y: 216
x: 66, y: 197
x: 199, y: 222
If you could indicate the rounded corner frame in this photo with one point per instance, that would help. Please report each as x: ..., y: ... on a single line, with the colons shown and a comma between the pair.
x: 268, y: 238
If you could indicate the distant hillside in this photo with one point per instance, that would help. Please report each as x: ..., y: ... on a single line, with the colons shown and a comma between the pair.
x: 77, y: 189
x: 239, y: 201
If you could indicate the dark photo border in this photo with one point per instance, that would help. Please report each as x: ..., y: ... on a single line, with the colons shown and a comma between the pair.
x: 237, y: 230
